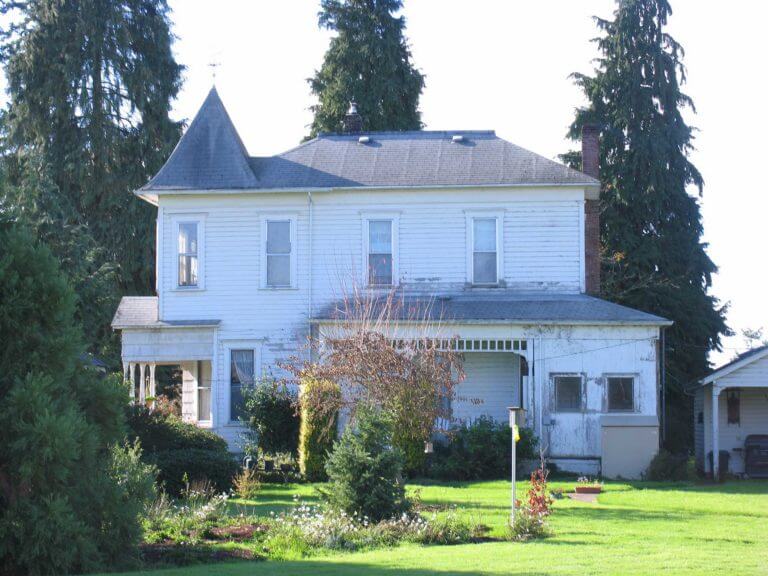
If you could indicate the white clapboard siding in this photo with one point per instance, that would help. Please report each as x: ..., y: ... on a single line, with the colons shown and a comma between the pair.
x: 491, y: 385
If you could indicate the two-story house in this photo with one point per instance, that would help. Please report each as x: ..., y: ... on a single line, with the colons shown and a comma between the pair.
x: 254, y: 253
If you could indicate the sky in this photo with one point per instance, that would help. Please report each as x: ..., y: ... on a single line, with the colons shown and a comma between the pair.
x: 505, y: 65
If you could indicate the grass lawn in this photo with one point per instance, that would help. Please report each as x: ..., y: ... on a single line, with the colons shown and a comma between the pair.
x: 638, y: 528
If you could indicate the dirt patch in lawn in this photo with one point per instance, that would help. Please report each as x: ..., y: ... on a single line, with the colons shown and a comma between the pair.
x: 235, y: 533
x: 163, y: 554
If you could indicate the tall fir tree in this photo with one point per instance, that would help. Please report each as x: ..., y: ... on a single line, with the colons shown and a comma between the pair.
x: 91, y: 84
x: 651, y: 227
x: 368, y: 62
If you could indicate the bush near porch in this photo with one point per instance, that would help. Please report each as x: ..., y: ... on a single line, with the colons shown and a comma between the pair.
x: 182, y: 452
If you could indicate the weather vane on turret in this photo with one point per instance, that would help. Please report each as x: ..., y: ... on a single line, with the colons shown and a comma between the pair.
x: 213, y: 65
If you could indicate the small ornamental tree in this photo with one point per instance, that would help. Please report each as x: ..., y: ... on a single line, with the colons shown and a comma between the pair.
x: 365, y: 470
x: 411, y: 378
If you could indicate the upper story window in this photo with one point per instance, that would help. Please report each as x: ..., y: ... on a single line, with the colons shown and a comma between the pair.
x: 380, y: 249
x: 568, y: 393
x: 380, y: 252
x: 621, y: 393
x: 188, y: 242
x: 484, y: 248
x: 279, y: 264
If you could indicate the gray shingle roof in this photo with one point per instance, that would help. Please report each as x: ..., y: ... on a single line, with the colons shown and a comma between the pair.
x: 211, y: 156
x: 506, y: 307
x: 142, y: 312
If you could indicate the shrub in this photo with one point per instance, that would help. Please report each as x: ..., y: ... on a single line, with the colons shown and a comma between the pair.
x: 160, y: 430
x: 666, y: 466
x: 177, y: 467
x: 318, y: 429
x: 531, y: 517
x: 270, y: 412
x: 178, y: 448
x: 480, y: 451
x: 247, y: 484
x: 365, y: 471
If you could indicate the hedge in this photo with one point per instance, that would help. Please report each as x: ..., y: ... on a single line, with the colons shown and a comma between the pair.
x: 317, y: 432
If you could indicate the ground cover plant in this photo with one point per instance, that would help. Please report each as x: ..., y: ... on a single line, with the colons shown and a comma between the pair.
x: 634, y: 528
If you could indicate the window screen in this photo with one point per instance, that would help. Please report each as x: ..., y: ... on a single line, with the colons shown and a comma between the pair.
x: 621, y: 394
x: 568, y: 393
x: 278, y: 253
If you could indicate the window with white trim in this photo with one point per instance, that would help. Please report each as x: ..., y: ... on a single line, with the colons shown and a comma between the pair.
x: 188, y: 254
x: 242, y: 372
x: 279, y: 253
x: 568, y: 393
x: 484, y: 248
x: 621, y: 393
x: 380, y: 256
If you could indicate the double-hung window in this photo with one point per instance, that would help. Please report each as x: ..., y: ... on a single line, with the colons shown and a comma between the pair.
x: 568, y: 393
x: 188, y: 254
x: 621, y: 393
x: 380, y: 261
x: 484, y: 248
x: 279, y: 253
x: 241, y: 375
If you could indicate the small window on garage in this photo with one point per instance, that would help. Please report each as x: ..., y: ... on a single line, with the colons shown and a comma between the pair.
x: 568, y: 396
x: 621, y: 393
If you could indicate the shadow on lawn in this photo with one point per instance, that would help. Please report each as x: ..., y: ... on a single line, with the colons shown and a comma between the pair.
x: 323, y: 568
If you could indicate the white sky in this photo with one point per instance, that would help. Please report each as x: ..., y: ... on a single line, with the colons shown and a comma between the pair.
x: 504, y: 65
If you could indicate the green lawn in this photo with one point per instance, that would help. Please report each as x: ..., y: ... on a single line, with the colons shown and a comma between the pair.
x: 637, y: 528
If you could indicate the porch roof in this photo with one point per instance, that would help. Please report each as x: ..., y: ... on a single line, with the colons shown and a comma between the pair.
x: 743, y: 359
x: 142, y: 312
x: 501, y: 307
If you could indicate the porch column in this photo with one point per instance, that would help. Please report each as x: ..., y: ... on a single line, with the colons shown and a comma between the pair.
x: 132, y: 378
x: 142, y: 384
x: 152, y: 382
x: 715, y: 431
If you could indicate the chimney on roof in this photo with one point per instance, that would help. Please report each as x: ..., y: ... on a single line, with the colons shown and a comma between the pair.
x: 590, y: 165
x: 353, y: 122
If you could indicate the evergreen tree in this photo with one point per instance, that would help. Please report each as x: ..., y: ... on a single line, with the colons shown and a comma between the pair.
x: 653, y: 255
x: 368, y: 62
x: 70, y: 499
x: 90, y: 85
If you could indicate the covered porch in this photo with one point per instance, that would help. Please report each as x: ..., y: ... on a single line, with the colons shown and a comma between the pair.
x: 148, y: 344
x: 731, y: 417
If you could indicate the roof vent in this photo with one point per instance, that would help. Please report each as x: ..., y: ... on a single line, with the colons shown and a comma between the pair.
x: 457, y: 138
x: 364, y: 139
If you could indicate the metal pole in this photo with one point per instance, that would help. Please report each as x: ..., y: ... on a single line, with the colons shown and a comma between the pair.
x: 514, y: 479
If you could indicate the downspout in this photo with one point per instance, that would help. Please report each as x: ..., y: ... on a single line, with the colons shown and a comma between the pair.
x: 309, y: 296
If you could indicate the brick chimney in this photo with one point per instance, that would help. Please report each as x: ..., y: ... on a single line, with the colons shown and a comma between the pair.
x: 590, y: 165
x: 353, y: 122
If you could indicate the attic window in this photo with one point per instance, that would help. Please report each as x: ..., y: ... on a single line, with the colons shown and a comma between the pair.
x: 457, y: 138
x: 364, y: 139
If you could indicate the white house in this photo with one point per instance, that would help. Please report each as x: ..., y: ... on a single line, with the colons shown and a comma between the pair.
x: 731, y: 416
x: 253, y: 255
